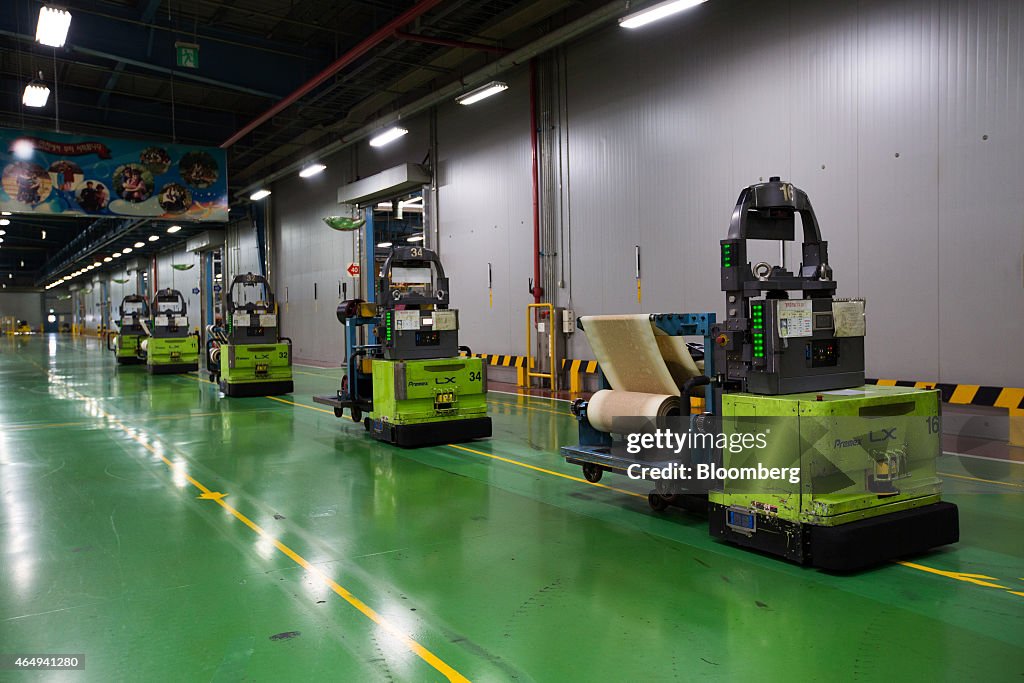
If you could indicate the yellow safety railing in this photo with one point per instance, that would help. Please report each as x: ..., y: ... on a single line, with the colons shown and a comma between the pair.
x: 529, y: 373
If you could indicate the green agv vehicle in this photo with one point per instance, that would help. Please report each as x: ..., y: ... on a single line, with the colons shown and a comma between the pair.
x: 170, y: 347
x: 406, y: 380
x: 126, y: 344
x: 248, y: 357
x: 800, y: 458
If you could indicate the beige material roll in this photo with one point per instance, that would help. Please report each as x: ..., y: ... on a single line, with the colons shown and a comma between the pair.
x: 606, y: 405
x: 636, y: 356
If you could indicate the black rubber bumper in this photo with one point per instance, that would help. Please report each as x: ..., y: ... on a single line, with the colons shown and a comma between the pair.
x: 851, y: 546
x: 432, y: 433
x: 130, y: 360
x: 172, y: 368
x: 244, y: 389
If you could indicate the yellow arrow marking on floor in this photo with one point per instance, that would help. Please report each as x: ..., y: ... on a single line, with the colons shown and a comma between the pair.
x: 976, y: 579
x: 212, y: 495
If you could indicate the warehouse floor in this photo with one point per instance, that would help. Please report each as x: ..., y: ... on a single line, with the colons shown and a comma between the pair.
x: 169, y: 534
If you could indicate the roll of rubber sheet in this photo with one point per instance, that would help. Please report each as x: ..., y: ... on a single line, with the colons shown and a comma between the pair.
x: 645, y: 367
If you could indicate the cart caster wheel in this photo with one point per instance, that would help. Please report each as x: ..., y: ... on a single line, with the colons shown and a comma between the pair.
x: 657, y: 502
x: 367, y: 423
x: 592, y: 473
x: 339, y: 412
x: 357, y: 415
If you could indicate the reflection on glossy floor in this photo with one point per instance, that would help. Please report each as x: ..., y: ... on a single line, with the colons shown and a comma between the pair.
x: 169, y: 534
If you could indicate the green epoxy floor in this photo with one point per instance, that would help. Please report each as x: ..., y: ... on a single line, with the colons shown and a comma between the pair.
x: 492, y: 570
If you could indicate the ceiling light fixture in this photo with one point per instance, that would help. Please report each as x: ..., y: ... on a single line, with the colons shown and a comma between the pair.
x: 35, y: 95
x: 311, y: 170
x: 23, y: 149
x: 3, y: 232
x: 387, y: 136
x: 173, y: 229
x: 5, y: 221
x: 259, y: 194
x: 126, y: 250
x: 415, y: 238
x: 53, y: 25
x: 384, y: 245
x: 43, y: 235
x: 483, y: 92
x: 107, y: 259
x: 656, y: 12
x: 139, y: 244
x: 154, y: 238
x: 116, y: 254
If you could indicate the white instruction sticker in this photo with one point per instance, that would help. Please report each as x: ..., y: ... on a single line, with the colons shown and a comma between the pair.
x: 849, y: 318
x: 446, y: 320
x: 795, y: 318
x: 268, y: 320
x: 407, y: 320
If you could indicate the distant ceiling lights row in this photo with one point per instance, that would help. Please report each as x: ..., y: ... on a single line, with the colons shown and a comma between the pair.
x: 108, y: 259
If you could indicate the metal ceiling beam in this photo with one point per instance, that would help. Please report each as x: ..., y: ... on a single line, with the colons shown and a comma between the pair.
x: 150, y: 67
x: 146, y: 16
x: 448, y: 42
x: 352, y: 55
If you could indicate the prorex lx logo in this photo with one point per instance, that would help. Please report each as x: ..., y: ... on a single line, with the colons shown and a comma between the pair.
x: 882, y: 435
x: 444, y: 380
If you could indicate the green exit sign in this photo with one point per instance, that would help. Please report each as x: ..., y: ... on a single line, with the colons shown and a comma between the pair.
x: 188, y: 54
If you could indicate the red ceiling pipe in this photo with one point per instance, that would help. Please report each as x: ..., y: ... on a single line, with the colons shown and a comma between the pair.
x: 447, y: 42
x: 377, y: 37
x: 537, y: 290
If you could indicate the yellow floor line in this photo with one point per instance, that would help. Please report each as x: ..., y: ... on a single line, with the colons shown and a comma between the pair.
x: 530, y: 408
x: 206, y: 494
x: 976, y: 579
x: 984, y: 481
x: 301, y: 405
x: 545, y: 471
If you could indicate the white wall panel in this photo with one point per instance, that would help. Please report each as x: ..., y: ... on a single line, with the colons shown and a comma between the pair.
x: 485, y: 204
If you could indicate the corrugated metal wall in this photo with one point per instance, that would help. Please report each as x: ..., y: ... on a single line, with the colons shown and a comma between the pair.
x: 879, y: 110
x: 901, y: 119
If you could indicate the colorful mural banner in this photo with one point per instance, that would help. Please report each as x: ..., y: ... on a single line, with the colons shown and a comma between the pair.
x: 74, y: 175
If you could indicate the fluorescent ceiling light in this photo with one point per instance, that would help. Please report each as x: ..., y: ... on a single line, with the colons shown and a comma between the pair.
x: 107, y: 259
x: 656, y: 12
x: 116, y: 254
x: 173, y: 229
x: 311, y: 170
x: 5, y: 221
x: 1, y: 240
x: 484, y: 91
x: 35, y: 95
x: 415, y: 238
x: 53, y: 26
x: 126, y: 250
x: 5, y: 213
x: 259, y: 194
x: 154, y: 238
x: 384, y: 245
x: 139, y: 244
x: 42, y: 235
x: 387, y: 136
x: 96, y: 265
x: 3, y: 232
